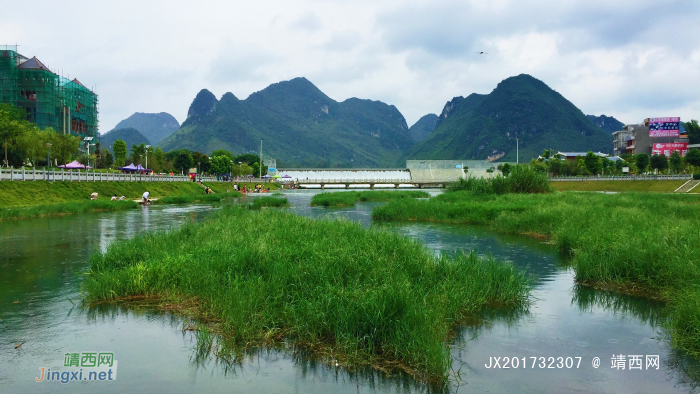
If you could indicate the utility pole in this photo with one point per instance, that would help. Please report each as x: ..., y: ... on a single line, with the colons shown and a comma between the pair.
x: 260, y: 172
x: 147, y: 146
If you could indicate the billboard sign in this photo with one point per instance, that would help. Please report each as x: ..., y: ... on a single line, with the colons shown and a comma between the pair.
x: 667, y: 149
x: 664, y: 127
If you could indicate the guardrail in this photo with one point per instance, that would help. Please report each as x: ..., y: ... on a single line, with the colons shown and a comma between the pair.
x: 11, y: 174
x: 368, y: 181
x: 622, y: 178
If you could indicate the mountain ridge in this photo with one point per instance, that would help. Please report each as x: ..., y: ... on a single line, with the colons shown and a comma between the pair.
x: 301, y: 124
x: 485, y: 126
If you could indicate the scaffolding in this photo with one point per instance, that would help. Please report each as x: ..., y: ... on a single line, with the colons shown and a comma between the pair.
x: 49, y: 99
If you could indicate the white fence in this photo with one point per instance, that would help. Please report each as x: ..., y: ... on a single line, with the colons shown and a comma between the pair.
x: 622, y: 178
x: 11, y: 174
x: 365, y: 181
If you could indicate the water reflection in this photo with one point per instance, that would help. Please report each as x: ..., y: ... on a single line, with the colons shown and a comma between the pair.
x: 41, y: 258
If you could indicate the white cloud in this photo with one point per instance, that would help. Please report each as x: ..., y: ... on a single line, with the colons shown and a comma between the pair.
x: 629, y: 58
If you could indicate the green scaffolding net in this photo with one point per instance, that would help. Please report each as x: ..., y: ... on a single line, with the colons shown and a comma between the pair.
x: 49, y: 99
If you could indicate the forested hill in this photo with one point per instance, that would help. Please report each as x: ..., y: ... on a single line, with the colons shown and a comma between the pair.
x: 423, y: 127
x: 300, y: 126
x: 483, y: 126
x: 155, y: 127
x: 607, y: 123
x: 129, y: 135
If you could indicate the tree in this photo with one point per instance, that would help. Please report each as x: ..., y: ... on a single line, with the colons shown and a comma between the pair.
x: 506, y: 168
x: 693, y: 130
x: 12, y: 126
x: 223, y: 152
x: 183, y: 162
x: 642, y: 161
x: 592, y: 162
x: 137, y: 152
x: 693, y: 157
x: 119, y: 148
x: 202, y: 161
x: 220, y: 165
x: 158, y: 160
x: 658, y: 162
x: 676, y: 162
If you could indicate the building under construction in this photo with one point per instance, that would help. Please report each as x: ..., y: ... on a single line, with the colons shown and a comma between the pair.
x: 50, y: 100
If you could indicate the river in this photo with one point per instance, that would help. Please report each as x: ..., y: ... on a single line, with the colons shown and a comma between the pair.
x: 41, y: 261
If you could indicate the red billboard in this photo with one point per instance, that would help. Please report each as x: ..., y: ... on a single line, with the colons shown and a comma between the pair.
x: 664, y: 127
x: 667, y: 149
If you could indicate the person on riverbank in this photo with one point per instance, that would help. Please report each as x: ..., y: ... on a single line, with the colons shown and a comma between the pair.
x: 93, y: 196
x: 145, y: 197
x: 114, y: 198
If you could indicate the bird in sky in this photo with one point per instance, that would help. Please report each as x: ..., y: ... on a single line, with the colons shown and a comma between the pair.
x: 482, y: 53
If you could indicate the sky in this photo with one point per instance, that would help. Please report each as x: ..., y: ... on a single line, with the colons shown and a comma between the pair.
x: 622, y: 58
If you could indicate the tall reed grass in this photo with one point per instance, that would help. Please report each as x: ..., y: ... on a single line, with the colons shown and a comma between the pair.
x: 268, y: 201
x: 348, y: 199
x: 362, y: 296
x: 634, y: 242
x: 521, y: 179
x: 189, y: 198
x: 65, y: 209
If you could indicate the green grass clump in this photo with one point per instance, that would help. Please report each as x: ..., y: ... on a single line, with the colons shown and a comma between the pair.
x: 348, y: 199
x: 65, y: 209
x: 27, y: 193
x: 522, y: 179
x: 642, y: 243
x: 269, y: 201
x: 359, y: 296
x: 189, y: 199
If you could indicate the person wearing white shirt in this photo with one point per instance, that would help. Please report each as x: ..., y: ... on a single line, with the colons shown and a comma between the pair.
x: 145, y: 197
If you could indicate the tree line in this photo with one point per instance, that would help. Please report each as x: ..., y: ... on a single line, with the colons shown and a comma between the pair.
x: 592, y: 164
x: 25, y: 144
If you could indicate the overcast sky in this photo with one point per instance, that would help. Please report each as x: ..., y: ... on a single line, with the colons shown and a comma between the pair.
x: 629, y: 59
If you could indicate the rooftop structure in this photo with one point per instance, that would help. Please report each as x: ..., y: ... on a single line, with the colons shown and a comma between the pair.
x: 49, y: 99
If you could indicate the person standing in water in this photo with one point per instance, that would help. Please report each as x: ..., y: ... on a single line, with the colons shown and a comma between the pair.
x: 145, y: 197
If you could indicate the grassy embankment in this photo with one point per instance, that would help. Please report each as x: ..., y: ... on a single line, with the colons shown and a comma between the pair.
x: 351, y: 295
x: 14, y: 193
x: 640, y: 243
x: 22, y: 200
x: 618, y: 186
x: 348, y: 199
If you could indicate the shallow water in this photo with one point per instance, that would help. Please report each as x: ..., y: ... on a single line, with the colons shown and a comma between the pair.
x: 41, y: 259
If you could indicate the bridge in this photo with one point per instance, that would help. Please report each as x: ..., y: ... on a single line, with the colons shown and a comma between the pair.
x: 420, y: 183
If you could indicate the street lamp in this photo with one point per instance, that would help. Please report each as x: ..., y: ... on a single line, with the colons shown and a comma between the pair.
x: 147, y: 146
x: 87, y: 147
x: 260, y: 172
x: 48, y: 160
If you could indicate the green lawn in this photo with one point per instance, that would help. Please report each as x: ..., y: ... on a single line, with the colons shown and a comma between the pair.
x: 617, y: 186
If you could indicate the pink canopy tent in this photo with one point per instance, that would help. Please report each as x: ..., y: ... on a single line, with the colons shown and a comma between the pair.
x: 74, y: 165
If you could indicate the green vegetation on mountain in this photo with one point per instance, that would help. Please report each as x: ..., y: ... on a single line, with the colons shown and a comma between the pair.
x: 155, y: 127
x: 483, y: 126
x: 129, y: 135
x: 607, y: 123
x: 300, y: 125
x: 423, y: 127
